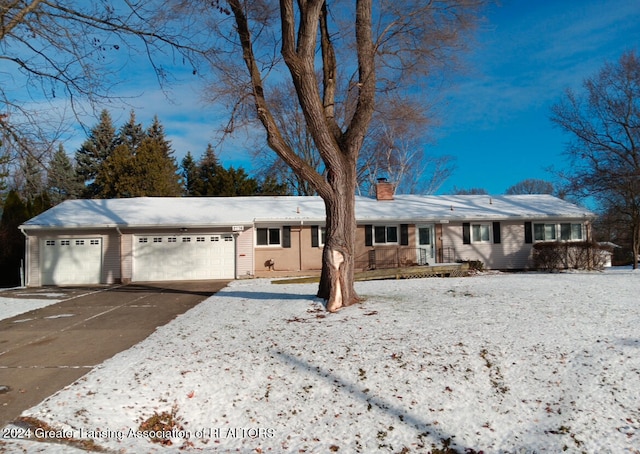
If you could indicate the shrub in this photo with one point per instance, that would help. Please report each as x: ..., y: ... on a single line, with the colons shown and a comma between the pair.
x: 582, y: 255
x: 474, y: 265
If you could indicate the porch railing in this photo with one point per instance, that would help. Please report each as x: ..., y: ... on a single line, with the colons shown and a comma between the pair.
x: 392, y: 258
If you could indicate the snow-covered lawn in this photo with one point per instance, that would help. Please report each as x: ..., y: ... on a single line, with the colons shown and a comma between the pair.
x: 10, y: 307
x: 493, y: 363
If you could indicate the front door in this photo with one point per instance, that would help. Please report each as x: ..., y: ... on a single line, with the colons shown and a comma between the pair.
x: 426, y: 244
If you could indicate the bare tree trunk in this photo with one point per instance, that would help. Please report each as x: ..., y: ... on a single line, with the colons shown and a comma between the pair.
x: 338, y: 264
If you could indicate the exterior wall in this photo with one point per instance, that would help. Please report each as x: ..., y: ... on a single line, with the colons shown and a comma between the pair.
x: 399, y: 254
x: 32, y: 277
x: 311, y: 256
x: 245, y: 256
x: 511, y: 253
x: 301, y: 256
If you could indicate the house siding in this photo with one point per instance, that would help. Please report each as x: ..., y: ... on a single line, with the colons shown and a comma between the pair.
x: 395, y: 254
x: 111, y: 258
x: 33, y: 278
x: 245, y: 257
x: 300, y: 256
x: 510, y: 253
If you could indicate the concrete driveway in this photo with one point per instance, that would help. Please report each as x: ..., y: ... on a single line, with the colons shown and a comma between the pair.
x: 44, y: 350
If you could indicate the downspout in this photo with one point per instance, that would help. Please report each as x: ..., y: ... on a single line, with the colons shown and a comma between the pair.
x: 253, y: 248
x: 23, y: 270
x: 300, y: 247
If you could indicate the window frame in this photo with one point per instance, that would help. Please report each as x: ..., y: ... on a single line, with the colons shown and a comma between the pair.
x: 387, y: 228
x: 488, y: 232
x: 269, y: 230
x: 558, y: 231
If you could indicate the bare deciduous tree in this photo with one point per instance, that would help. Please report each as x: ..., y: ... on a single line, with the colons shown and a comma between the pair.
x: 531, y: 186
x: 604, y: 123
x: 381, y: 47
x: 57, y: 55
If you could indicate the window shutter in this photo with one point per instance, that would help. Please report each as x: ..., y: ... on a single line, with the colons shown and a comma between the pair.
x: 286, y: 236
x: 368, y: 235
x: 261, y: 237
x: 466, y: 233
x: 496, y: 232
x: 528, y: 233
x: 314, y: 236
x: 404, y: 234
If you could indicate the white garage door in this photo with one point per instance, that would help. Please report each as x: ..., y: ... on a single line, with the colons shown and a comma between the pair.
x: 71, y: 261
x: 184, y: 257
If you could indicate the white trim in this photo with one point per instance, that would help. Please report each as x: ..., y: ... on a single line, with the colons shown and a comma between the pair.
x: 268, y: 245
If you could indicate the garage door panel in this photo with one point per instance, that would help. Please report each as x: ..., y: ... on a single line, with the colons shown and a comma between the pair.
x: 74, y: 261
x: 187, y: 257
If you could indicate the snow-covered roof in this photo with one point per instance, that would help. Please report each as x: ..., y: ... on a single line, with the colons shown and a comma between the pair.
x: 229, y: 211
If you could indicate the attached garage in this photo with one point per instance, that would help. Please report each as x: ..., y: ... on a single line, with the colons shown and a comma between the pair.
x: 183, y: 257
x: 71, y: 261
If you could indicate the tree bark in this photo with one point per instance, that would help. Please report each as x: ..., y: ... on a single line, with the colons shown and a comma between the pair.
x: 338, y: 264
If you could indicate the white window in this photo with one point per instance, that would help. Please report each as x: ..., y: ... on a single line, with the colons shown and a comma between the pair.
x: 268, y: 237
x: 79, y: 242
x: 142, y: 240
x: 94, y: 242
x: 480, y: 233
x: 553, y: 232
x: 65, y: 242
x: 186, y: 239
x: 200, y: 239
x: 171, y: 239
x: 544, y: 232
x: 215, y: 238
x: 51, y: 242
x: 571, y: 232
x: 322, y: 235
x: 228, y: 238
x: 385, y: 234
x: 157, y: 240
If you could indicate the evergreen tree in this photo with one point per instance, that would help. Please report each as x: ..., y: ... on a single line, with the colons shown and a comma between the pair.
x: 156, y: 132
x: 131, y: 133
x: 32, y: 172
x: 189, y: 174
x: 62, y: 179
x: 271, y: 186
x: 11, y: 239
x: 114, y: 175
x: 235, y: 182
x: 144, y: 172
x: 209, y: 168
x: 94, y: 151
x: 154, y: 170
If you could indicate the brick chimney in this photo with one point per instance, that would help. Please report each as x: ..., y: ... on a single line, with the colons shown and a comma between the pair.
x: 384, y: 189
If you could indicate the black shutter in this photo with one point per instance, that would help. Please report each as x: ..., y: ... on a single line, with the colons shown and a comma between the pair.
x: 528, y: 233
x: 368, y: 235
x: 496, y: 232
x: 286, y: 236
x: 261, y: 237
x: 314, y: 236
x: 466, y: 233
x: 404, y: 234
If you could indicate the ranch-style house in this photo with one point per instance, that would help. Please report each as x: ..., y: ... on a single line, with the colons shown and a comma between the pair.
x: 80, y: 242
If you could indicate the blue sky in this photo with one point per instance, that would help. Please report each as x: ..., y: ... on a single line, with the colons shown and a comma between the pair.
x: 528, y: 52
x: 495, y: 116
